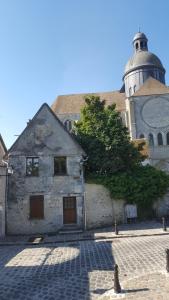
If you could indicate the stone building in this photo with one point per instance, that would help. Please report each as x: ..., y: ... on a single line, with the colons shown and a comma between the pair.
x: 3, y: 186
x: 46, y: 189
x: 143, y: 101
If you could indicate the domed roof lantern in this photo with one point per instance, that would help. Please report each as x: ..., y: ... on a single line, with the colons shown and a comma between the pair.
x: 140, y: 42
x: 141, y: 66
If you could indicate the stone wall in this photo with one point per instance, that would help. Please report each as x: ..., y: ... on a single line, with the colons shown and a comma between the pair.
x: 2, y: 199
x: 53, y: 188
x: 101, y: 210
x: 162, y: 206
x: 45, y: 138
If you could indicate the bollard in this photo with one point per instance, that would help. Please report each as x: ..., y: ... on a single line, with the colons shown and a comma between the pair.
x: 117, y: 287
x: 116, y: 228
x: 164, y: 224
x: 167, y: 259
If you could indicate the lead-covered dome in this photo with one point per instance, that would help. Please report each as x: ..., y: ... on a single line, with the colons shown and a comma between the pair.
x: 141, y: 66
x: 143, y: 58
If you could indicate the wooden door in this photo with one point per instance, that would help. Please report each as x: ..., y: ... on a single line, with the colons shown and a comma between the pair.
x: 69, y: 210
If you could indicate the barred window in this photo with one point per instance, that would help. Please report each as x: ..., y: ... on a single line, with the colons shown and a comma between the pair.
x: 32, y: 166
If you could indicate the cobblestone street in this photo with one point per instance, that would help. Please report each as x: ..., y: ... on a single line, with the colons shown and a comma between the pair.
x: 84, y: 270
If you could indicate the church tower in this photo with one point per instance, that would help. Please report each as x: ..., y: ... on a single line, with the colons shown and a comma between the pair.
x: 141, y: 65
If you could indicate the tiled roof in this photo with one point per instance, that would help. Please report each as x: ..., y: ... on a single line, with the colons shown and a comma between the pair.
x: 73, y: 103
x: 152, y: 87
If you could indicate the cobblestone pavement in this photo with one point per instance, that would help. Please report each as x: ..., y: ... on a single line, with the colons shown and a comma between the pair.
x: 84, y: 270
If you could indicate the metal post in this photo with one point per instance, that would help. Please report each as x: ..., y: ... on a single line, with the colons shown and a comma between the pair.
x: 116, y: 228
x: 117, y: 287
x: 167, y: 259
x: 164, y: 224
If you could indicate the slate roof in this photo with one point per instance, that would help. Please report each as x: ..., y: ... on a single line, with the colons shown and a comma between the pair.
x: 74, y: 103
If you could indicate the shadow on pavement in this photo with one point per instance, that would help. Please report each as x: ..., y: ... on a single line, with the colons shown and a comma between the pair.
x: 64, y: 271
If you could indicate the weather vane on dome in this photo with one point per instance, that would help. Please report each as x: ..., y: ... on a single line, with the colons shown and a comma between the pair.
x: 139, y: 29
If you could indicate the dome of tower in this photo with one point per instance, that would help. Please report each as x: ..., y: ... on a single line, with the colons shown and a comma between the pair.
x: 140, y: 35
x: 141, y: 66
x: 143, y: 59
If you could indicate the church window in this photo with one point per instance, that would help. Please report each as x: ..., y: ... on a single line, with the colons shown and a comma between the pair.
x: 151, y: 139
x: 32, y: 166
x: 36, y: 207
x: 60, y: 165
x: 136, y: 45
x: 130, y: 91
x: 141, y: 45
x: 141, y: 136
x: 68, y: 125
x: 167, y: 138
x: 151, y: 73
x: 160, y: 139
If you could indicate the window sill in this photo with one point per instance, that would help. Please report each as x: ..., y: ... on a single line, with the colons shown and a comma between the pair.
x: 56, y: 175
x: 31, y: 175
x: 36, y: 219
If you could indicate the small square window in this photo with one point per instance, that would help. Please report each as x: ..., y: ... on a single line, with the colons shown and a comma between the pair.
x: 60, y: 165
x: 32, y: 166
x: 37, y: 207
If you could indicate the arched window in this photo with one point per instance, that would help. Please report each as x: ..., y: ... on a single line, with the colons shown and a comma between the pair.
x: 136, y: 46
x: 160, y: 139
x: 68, y: 125
x: 151, y: 139
x: 167, y: 137
x: 141, y: 45
x: 130, y: 91
x: 134, y: 88
x: 141, y: 136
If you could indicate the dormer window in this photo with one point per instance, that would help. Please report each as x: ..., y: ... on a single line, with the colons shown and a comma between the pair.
x: 68, y: 125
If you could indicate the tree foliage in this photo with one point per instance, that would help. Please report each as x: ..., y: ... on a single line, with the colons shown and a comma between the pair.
x: 142, y: 186
x: 105, y: 139
x: 114, y: 161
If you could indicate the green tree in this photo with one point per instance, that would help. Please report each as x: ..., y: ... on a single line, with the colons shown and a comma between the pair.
x: 105, y: 139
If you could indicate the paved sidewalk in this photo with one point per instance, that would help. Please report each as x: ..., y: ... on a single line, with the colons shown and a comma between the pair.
x: 84, y: 270
x: 126, y: 230
x: 153, y: 286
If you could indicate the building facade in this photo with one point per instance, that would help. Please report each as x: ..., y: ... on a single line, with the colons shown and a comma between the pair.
x: 3, y: 187
x: 143, y: 102
x: 46, y: 189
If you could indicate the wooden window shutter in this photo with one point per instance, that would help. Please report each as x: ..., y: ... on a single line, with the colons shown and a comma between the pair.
x: 37, y: 207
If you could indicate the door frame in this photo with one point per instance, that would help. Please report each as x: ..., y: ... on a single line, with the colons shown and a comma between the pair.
x: 76, y: 221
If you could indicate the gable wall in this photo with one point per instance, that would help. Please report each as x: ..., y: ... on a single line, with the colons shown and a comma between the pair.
x: 44, y: 138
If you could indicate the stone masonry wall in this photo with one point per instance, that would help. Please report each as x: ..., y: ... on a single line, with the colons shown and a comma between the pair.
x: 101, y: 210
x: 2, y: 199
x: 54, y: 188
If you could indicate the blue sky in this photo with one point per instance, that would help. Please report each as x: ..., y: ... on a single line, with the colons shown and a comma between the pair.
x: 52, y: 47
